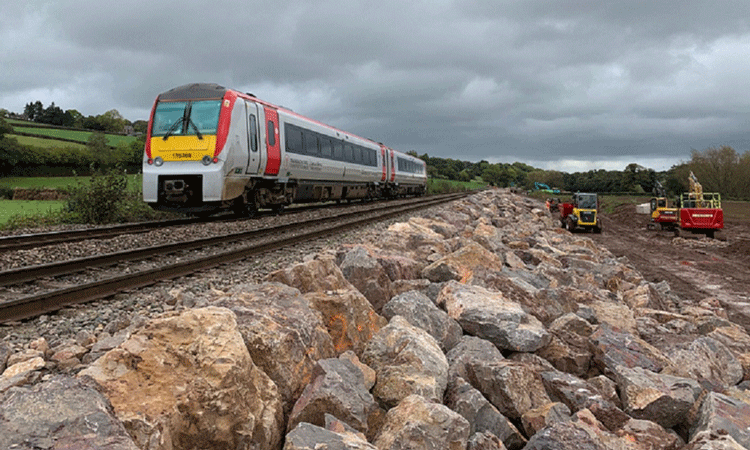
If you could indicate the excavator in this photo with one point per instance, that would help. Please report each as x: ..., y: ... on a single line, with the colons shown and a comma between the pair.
x: 661, y: 213
x: 696, y: 211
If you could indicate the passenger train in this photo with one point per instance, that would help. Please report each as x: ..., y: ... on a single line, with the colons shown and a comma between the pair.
x: 212, y: 149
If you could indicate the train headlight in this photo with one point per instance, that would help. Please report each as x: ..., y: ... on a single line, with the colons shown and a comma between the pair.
x: 206, y: 160
x: 158, y: 161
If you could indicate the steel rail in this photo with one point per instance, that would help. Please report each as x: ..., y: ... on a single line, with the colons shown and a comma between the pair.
x: 31, y: 306
x: 25, y: 241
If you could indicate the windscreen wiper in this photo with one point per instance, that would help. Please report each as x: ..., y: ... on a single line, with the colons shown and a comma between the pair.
x: 173, y: 127
x: 197, y: 131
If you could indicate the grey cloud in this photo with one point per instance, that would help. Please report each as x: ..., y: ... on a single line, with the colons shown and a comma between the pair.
x: 535, y: 80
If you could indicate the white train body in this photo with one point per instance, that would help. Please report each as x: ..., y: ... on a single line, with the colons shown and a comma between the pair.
x: 210, y: 148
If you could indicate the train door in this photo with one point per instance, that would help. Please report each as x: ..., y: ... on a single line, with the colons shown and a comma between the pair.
x: 273, y: 145
x: 382, y: 157
x: 393, y: 167
x: 253, y: 137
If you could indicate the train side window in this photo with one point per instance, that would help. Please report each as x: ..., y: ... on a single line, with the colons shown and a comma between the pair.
x: 253, y: 133
x: 338, y: 150
x: 311, y: 143
x: 271, y: 133
x: 348, y: 153
x: 325, y: 147
x: 293, y: 139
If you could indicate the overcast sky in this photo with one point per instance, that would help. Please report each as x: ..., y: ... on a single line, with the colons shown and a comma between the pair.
x: 565, y: 85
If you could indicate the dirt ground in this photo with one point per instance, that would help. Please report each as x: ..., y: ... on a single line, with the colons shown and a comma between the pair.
x: 695, y: 267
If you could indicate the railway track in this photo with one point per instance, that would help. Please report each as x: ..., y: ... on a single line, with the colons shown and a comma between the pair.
x: 253, y: 243
x: 26, y: 241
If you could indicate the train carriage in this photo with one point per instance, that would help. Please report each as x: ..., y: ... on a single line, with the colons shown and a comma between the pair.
x: 210, y: 148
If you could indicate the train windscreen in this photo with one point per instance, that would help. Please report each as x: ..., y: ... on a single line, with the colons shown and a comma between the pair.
x: 186, y: 118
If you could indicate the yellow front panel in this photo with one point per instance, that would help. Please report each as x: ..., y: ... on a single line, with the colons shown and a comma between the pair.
x: 183, y: 148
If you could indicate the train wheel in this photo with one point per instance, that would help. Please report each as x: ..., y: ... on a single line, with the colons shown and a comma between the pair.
x: 244, y: 208
x: 278, y: 209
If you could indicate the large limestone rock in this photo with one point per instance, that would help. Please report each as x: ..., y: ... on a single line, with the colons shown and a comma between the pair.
x: 283, y: 333
x: 489, y: 315
x: 584, y: 432
x: 338, y: 388
x: 578, y: 394
x: 513, y: 387
x: 568, y: 350
x: 407, y: 361
x: 62, y: 413
x: 482, y: 416
x: 348, y: 316
x: 723, y: 415
x: 365, y: 272
x: 306, y: 436
x: 187, y: 381
x: 318, y: 275
x: 462, y: 263
x: 421, y: 312
x: 660, y: 398
x: 536, y: 419
x: 612, y: 348
x: 417, y: 423
x: 709, y: 360
x: 419, y: 238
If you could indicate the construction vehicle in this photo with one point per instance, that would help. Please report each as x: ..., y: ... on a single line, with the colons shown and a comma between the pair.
x: 696, y: 212
x: 545, y: 188
x: 661, y: 213
x: 582, y: 213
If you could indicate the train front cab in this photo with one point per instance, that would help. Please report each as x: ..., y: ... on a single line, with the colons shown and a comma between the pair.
x: 204, y: 144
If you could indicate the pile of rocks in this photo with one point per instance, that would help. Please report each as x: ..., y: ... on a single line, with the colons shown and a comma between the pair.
x: 482, y: 327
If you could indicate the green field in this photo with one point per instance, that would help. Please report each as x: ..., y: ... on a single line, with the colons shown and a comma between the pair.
x: 440, y: 185
x: 46, y: 143
x: 134, y: 182
x: 10, y: 208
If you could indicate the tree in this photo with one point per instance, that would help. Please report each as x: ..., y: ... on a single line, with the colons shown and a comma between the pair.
x: 100, y: 151
x: 141, y: 126
x: 33, y: 110
x: 716, y: 169
x: 112, y: 121
x: 500, y: 175
x: 5, y: 128
x: 10, y: 150
x: 75, y: 117
x: 637, y: 178
x: 52, y: 115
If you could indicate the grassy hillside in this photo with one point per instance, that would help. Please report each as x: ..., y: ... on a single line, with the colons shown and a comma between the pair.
x: 23, y: 129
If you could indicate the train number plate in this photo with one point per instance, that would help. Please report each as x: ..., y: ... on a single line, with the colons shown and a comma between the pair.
x: 182, y: 155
